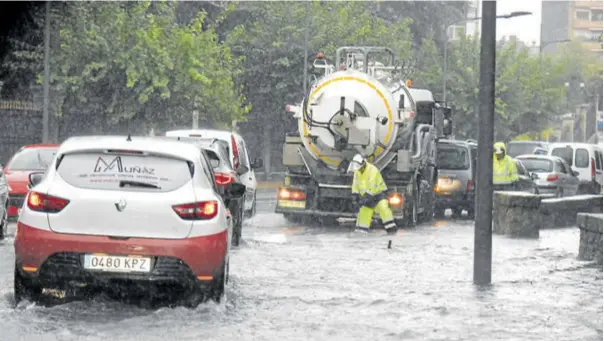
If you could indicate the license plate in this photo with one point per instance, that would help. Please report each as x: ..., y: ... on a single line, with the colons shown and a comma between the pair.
x: 292, y: 203
x: 117, y: 263
x: 444, y: 180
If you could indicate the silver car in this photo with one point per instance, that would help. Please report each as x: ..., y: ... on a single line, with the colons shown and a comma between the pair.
x: 551, y: 174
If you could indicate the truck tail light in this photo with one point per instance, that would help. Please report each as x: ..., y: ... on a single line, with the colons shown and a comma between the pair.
x: 395, y: 199
x: 223, y: 179
x: 593, y: 169
x: 290, y: 194
x: 204, y: 210
x: 552, y: 177
x: 40, y: 202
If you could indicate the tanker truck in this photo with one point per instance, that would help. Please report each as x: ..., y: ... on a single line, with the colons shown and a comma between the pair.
x: 361, y: 105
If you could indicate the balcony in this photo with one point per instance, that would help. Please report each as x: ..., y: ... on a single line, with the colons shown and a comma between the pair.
x: 586, y: 24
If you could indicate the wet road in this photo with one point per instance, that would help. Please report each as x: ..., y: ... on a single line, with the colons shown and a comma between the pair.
x: 292, y: 282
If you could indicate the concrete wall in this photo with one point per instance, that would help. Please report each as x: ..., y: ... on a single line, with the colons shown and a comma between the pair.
x: 590, y: 245
x: 520, y: 214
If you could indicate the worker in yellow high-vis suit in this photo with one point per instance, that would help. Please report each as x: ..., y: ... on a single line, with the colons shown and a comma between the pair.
x: 505, y: 172
x: 370, y: 193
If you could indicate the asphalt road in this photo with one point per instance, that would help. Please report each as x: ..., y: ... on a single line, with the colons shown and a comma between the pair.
x: 292, y: 282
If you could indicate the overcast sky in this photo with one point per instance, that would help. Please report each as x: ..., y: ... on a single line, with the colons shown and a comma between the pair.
x: 526, y: 28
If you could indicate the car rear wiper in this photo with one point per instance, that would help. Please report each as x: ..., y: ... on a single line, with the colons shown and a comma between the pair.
x: 138, y: 184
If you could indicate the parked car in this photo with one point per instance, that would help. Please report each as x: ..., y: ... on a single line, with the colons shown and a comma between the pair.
x: 551, y: 174
x: 4, y: 189
x: 515, y: 148
x: 28, y: 159
x: 456, y: 163
x: 584, y: 158
x: 239, y: 159
x: 116, y: 208
x: 216, y: 151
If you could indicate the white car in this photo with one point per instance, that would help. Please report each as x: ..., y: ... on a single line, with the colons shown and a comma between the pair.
x: 114, y: 208
x: 239, y: 158
x: 586, y: 159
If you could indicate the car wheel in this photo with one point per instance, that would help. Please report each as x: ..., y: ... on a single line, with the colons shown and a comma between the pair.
x: 251, y: 213
x: 24, y: 289
x: 218, y: 286
x: 4, y: 224
x: 412, y: 218
x: 237, y: 227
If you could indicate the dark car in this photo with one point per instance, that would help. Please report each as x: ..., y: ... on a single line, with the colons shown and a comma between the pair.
x: 224, y: 174
x: 526, y: 181
x: 217, y: 154
x: 4, y: 189
x: 456, y: 162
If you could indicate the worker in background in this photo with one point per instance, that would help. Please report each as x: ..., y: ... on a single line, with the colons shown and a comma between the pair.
x: 505, y: 172
x: 369, y: 191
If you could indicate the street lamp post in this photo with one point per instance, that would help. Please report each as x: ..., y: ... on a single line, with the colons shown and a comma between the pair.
x: 445, y: 49
x: 483, y: 229
x: 45, y: 116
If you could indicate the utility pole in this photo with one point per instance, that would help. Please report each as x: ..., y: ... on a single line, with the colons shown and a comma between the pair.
x: 306, y: 45
x: 45, y: 117
x: 483, y: 228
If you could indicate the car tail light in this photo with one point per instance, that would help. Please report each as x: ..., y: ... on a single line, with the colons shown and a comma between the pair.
x: 223, y: 179
x: 235, y: 152
x: 593, y: 169
x: 552, y: 177
x: 395, y: 199
x: 204, y: 210
x: 125, y: 151
x: 470, y: 185
x: 290, y: 194
x: 40, y: 202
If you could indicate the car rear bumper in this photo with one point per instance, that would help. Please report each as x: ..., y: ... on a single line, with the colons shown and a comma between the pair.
x: 54, y: 258
x: 461, y: 200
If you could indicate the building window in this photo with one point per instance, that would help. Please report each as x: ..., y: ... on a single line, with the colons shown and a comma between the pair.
x: 582, y: 34
x: 596, y: 15
x: 456, y: 32
x: 582, y: 14
x: 596, y: 36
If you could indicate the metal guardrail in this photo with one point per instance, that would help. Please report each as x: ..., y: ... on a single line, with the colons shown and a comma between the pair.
x: 19, y: 105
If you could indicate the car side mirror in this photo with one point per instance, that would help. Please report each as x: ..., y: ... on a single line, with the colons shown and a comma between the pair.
x: 575, y: 173
x: 258, y: 163
x: 241, y: 169
x: 534, y: 176
x: 234, y: 191
x: 35, y: 178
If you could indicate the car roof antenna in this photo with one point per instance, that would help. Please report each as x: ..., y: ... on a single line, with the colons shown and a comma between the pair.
x: 129, y: 137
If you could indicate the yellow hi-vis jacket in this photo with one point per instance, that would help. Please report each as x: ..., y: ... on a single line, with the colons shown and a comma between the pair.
x: 369, y: 182
x: 504, y: 171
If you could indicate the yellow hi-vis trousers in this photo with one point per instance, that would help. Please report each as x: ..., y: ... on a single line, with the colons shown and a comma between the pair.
x: 382, y: 208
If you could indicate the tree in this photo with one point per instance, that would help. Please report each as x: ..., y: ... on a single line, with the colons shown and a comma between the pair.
x: 133, y: 61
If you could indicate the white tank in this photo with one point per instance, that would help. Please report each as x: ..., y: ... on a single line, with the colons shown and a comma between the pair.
x: 371, y: 103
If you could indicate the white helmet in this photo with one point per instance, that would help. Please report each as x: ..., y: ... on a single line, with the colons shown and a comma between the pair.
x: 357, y: 162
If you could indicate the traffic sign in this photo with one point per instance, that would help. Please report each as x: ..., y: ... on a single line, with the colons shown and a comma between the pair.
x: 599, y: 125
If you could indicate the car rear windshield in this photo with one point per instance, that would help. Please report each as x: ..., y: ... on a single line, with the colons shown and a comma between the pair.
x: 515, y: 149
x: 124, y: 172
x: 32, y: 159
x: 564, y: 153
x: 538, y: 165
x: 453, y: 158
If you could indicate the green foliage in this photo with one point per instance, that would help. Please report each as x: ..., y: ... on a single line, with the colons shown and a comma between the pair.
x: 133, y: 60
x: 529, y: 91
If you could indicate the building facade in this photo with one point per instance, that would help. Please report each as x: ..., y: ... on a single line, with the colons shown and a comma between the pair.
x: 571, y: 20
